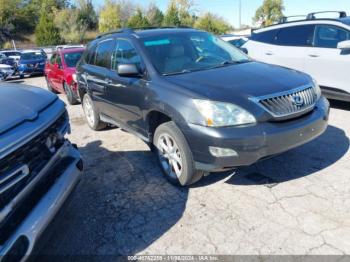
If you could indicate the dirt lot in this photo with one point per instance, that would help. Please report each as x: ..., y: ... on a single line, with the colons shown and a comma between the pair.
x: 297, y: 203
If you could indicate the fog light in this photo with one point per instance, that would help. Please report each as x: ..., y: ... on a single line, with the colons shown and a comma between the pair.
x: 222, y: 152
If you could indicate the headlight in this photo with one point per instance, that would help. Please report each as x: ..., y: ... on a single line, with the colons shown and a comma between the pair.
x: 220, y: 114
x: 317, y: 89
x: 74, y: 76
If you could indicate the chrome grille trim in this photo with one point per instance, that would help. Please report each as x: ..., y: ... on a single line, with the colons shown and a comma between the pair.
x: 284, y: 104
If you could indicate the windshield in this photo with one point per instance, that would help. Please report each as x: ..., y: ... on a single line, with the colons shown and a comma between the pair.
x: 72, y: 59
x: 190, y: 51
x: 32, y: 55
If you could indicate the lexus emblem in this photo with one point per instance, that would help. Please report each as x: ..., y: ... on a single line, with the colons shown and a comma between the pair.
x: 298, y: 101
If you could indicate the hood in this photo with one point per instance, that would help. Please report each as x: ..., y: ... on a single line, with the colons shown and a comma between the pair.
x: 20, y: 103
x: 252, y: 79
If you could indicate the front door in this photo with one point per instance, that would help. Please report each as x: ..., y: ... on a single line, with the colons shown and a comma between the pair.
x: 127, y: 94
x: 325, y: 62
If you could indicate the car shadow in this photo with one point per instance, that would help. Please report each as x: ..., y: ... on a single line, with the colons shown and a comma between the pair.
x: 300, y: 162
x: 121, y: 206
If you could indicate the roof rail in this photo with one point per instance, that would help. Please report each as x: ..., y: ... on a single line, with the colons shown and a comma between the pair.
x: 123, y: 30
x: 131, y: 30
x: 160, y: 27
x: 311, y: 16
x: 285, y: 19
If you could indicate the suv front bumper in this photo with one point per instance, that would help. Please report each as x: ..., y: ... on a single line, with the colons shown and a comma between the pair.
x: 65, y: 169
x: 253, y: 143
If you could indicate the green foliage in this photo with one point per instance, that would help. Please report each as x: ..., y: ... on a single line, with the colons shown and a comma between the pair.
x: 171, y: 17
x: 212, y: 23
x: 86, y: 14
x: 46, y: 33
x: 138, y: 20
x: 270, y: 12
x: 72, y: 29
x: 110, y: 16
x: 154, y: 15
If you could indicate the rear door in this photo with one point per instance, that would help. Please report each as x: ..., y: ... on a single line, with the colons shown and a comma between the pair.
x: 325, y: 62
x: 95, y: 74
x: 290, y: 46
x: 50, y: 69
x: 58, y: 74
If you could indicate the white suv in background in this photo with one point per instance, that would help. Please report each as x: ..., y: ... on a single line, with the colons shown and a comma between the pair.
x: 317, y: 46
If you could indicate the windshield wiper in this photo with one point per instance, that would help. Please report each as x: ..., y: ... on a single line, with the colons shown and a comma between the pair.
x: 178, y: 73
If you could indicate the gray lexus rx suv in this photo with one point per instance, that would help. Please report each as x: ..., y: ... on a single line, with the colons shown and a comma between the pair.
x: 39, y: 168
x: 202, y: 104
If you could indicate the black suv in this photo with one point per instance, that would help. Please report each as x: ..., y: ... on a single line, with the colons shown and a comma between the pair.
x: 202, y: 103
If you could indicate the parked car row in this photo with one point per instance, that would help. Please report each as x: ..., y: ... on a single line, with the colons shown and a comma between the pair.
x: 22, y: 63
x: 199, y: 103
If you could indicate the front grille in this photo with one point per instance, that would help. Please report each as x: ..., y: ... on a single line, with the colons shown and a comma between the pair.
x: 291, y: 103
x: 19, y: 167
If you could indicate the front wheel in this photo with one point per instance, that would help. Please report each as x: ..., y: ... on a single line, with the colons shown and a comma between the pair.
x: 91, y: 115
x: 175, y: 156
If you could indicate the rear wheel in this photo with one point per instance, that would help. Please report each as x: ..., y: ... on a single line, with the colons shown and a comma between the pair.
x: 91, y: 115
x: 174, y: 155
x: 69, y: 94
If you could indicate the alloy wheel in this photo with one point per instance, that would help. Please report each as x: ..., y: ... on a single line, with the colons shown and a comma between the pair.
x: 170, y: 156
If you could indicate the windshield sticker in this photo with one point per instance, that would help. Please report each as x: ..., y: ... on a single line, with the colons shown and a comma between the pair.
x: 157, y: 42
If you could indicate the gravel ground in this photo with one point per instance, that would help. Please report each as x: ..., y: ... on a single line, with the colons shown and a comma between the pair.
x: 297, y: 203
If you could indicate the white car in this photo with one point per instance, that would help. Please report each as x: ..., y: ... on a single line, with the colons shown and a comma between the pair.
x: 317, y: 46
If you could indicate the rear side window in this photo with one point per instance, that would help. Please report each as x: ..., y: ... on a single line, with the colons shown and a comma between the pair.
x: 90, y: 56
x: 103, y: 53
x: 53, y: 59
x: 265, y: 37
x: 329, y: 36
x: 125, y: 53
x: 295, y: 36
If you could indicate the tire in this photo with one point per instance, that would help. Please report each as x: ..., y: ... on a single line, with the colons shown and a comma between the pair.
x: 174, y: 155
x: 49, y: 87
x: 69, y: 94
x: 91, y: 115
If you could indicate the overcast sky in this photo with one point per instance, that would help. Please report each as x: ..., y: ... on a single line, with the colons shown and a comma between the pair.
x: 229, y: 8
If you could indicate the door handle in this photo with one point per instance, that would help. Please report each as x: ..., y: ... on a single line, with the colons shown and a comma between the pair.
x: 313, y: 55
x: 269, y: 53
x: 108, y: 81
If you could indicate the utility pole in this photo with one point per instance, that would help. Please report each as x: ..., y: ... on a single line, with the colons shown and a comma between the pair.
x: 240, y: 14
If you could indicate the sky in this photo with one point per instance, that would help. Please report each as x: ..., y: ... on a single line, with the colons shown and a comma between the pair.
x: 229, y: 9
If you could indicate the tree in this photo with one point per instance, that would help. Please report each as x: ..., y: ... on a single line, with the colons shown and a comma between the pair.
x: 186, y: 14
x: 86, y: 14
x: 110, y: 16
x: 138, y: 20
x: 270, y: 12
x: 46, y: 33
x: 171, y: 17
x: 154, y: 15
x: 212, y: 23
x: 72, y: 29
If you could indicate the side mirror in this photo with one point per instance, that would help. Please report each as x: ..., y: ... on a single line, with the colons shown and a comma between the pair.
x: 344, y: 45
x: 128, y: 70
x: 244, y: 50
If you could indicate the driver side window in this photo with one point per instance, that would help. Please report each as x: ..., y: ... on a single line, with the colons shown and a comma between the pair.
x: 125, y: 53
x: 329, y: 36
